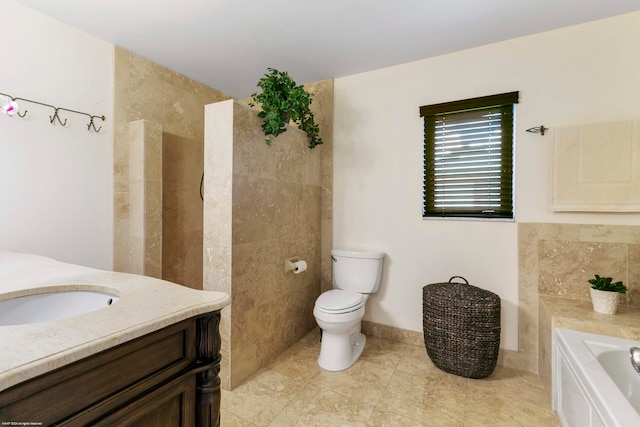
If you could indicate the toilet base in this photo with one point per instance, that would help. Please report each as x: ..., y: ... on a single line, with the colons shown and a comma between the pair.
x: 340, y: 351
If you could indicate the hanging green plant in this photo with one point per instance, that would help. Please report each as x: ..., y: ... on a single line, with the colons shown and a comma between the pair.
x: 283, y: 101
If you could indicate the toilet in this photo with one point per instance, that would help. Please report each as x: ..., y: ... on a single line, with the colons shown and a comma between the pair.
x: 339, y: 312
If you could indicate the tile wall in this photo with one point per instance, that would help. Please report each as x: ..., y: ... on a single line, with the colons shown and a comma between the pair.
x: 558, y: 259
x: 263, y: 204
x: 155, y: 107
x: 145, y: 198
x: 173, y: 104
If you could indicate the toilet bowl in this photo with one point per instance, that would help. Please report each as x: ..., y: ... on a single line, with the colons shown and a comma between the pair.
x: 339, y: 312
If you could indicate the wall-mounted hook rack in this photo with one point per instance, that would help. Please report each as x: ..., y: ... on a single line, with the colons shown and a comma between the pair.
x: 56, y: 115
x: 538, y: 129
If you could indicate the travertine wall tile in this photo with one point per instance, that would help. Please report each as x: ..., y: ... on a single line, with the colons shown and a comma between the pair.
x: 217, y: 269
x: 182, y: 170
x: 251, y: 155
x: 153, y: 228
x: 633, y: 279
x: 254, y: 209
x: 544, y: 349
x: 136, y: 197
x: 610, y: 233
x: 557, y: 260
x: 274, y: 205
x: 255, y: 270
x: 322, y: 107
x: 145, y: 199
x: 153, y: 197
x: 145, y: 90
x: 566, y: 266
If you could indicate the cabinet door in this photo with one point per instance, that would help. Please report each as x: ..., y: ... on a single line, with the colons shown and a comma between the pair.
x: 172, y: 405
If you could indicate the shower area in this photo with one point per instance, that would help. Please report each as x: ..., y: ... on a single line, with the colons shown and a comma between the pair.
x: 200, y: 200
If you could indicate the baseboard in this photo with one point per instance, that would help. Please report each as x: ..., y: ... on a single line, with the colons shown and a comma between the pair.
x: 508, y: 358
x: 392, y: 333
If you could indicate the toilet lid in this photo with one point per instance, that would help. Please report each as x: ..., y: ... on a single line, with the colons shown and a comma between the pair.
x: 338, y: 300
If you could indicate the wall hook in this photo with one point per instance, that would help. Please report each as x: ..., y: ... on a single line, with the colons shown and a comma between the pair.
x: 56, y: 116
x: 538, y: 129
x: 93, y: 125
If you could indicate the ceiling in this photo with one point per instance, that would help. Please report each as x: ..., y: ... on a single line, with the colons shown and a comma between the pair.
x: 228, y: 44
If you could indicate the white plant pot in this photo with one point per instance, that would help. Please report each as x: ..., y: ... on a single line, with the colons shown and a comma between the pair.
x: 604, y: 302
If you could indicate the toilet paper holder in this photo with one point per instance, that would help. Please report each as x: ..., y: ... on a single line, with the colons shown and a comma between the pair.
x: 289, y: 264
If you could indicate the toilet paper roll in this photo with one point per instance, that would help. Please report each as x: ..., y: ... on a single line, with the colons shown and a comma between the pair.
x: 300, y: 267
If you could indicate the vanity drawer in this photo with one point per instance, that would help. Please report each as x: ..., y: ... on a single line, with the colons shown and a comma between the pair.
x: 103, y: 381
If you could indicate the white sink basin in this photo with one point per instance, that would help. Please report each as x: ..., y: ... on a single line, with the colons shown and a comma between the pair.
x: 48, y: 306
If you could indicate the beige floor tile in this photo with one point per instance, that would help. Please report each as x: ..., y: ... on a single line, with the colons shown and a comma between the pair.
x: 488, y: 410
x: 262, y: 397
x: 394, y: 354
x: 229, y: 420
x: 429, y: 374
x: 364, y: 381
x: 320, y: 407
x: 417, y: 361
x: 507, y: 382
x: 389, y: 419
x: 392, y: 384
x: 312, y: 339
x: 437, y: 399
x: 298, y: 362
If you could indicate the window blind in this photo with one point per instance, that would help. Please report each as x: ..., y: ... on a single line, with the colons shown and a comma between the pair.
x: 468, y: 162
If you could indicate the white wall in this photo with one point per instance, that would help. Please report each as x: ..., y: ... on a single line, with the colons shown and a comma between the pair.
x: 56, y: 192
x: 583, y: 74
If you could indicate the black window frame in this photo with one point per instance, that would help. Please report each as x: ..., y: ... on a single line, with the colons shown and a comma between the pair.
x: 502, y: 104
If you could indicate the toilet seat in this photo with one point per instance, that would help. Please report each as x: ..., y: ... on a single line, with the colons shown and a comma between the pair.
x: 337, y: 301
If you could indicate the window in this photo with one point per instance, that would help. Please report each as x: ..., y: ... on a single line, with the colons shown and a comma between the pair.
x: 468, y: 157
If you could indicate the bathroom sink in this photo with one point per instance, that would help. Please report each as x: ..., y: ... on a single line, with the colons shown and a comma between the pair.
x: 48, y: 306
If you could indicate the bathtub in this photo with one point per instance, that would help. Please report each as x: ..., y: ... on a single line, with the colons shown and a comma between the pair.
x: 594, y: 383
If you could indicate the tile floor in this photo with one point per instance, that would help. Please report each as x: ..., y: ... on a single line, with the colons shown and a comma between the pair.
x: 393, y: 384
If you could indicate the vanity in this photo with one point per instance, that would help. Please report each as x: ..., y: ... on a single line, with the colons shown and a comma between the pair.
x: 152, y: 358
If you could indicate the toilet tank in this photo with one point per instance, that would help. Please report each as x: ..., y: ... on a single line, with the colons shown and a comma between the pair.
x: 357, y: 271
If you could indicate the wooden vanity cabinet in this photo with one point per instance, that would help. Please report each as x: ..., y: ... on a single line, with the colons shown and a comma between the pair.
x: 166, y: 378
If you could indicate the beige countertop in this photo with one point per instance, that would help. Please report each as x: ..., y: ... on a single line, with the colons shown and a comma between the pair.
x: 579, y: 315
x: 146, y: 305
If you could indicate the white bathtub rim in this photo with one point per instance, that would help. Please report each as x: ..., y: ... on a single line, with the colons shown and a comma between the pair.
x: 585, y: 365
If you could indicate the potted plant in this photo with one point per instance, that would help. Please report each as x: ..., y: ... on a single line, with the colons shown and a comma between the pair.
x: 605, y: 294
x: 282, y: 100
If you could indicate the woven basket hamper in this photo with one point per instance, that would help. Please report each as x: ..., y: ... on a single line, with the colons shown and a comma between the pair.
x: 461, y: 326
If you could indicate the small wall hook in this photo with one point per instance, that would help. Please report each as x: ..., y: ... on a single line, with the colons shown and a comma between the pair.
x: 93, y: 125
x: 538, y: 129
x: 56, y: 116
